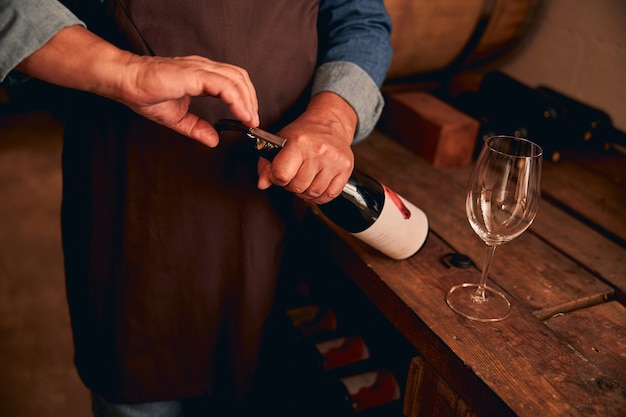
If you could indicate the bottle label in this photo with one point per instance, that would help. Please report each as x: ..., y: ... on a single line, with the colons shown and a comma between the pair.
x: 400, y: 230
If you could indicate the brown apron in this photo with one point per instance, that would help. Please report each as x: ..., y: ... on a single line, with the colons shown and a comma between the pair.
x: 172, y: 253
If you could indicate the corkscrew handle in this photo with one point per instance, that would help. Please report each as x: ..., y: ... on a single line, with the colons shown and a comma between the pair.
x: 266, y: 143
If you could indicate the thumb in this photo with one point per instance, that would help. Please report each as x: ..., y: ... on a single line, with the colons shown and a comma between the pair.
x: 198, y: 129
x: 264, y: 168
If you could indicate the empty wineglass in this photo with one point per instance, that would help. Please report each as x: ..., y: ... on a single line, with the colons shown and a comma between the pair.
x: 502, y: 202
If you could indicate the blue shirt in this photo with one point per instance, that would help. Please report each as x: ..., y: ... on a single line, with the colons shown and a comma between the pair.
x: 25, y: 25
x: 355, y: 48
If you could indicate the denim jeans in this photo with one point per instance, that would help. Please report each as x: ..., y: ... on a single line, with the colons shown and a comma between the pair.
x: 188, y: 407
x: 102, y: 408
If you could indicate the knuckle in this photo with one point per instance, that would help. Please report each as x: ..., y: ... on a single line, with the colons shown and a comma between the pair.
x: 280, y: 177
x: 296, y: 189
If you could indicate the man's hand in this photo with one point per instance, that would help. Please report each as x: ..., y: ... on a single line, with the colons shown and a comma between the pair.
x: 317, y: 160
x: 158, y: 88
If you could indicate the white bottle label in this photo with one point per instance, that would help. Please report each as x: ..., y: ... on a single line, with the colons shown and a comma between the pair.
x: 400, y: 230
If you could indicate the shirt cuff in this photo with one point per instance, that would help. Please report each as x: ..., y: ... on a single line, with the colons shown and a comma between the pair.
x: 25, y: 25
x: 354, y: 85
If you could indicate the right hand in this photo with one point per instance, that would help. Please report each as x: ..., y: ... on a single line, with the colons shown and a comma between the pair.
x: 159, y: 89
x: 317, y: 159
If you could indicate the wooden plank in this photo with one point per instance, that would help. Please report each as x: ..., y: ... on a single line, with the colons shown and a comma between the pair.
x: 599, y: 333
x: 523, y: 363
x: 593, y: 250
x: 534, y: 273
x: 428, y: 395
x: 600, y: 255
x: 610, y: 164
x: 431, y: 128
x: 520, y: 359
x: 413, y: 382
x: 601, y: 202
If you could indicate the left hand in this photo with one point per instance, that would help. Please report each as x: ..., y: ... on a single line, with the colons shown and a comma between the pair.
x: 317, y: 159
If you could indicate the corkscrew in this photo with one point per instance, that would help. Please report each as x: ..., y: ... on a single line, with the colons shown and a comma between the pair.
x: 266, y: 143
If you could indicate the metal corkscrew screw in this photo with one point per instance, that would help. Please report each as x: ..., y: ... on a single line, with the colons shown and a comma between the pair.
x: 267, y: 144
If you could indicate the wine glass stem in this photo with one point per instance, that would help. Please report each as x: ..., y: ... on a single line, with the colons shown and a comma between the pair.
x: 480, y: 295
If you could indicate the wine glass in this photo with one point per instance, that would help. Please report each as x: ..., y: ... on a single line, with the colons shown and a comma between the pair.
x: 502, y: 202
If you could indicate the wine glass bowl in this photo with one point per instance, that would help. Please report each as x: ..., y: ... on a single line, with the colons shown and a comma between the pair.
x: 502, y: 201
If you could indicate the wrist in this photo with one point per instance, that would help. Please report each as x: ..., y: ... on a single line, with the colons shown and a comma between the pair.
x: 334, y: 108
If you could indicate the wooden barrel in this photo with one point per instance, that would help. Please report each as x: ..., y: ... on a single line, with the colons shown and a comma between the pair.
x: 431, y: 35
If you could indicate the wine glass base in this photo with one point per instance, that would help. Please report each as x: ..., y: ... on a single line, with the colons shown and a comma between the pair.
x: 494, y: 307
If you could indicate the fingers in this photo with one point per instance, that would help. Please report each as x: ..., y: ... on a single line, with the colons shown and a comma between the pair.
x: 197, y: 129
x: 324, y: 187
x: 232, y: 85
x: 324, y: 134
x: 161, y: 89
x: 264, y: 168
x: 315, y: 177
x: 237, y: 90
x: 321, y: 190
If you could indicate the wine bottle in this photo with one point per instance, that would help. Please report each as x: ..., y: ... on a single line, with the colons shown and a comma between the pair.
x: 514, y: 108
x: 342, y: 351
x: 311, y: 321
x: 374, y: 392
x: 365, y: 208
x: 586, y: 126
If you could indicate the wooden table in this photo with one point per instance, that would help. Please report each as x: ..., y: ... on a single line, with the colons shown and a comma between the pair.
x: 562, y: 351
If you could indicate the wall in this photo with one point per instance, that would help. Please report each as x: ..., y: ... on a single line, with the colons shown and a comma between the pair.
x: 577, y: 47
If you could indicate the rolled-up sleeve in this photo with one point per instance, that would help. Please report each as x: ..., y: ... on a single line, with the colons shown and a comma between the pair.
x: 355, y: 86
x: 25, y: 25
x: 354, y: 56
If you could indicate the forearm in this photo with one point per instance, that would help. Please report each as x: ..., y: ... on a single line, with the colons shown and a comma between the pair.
x: 158, y: 88
x: 26, y: 25
x: 78, y: 59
